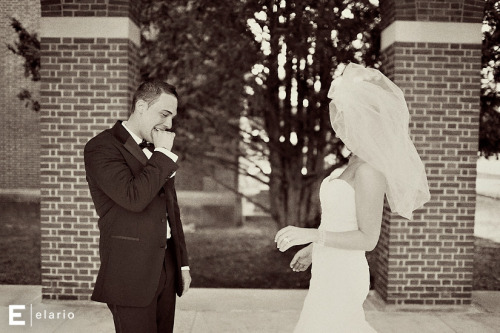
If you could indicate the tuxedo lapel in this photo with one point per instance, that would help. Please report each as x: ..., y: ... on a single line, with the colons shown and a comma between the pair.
x: 134, y: 149
x: 128, y: 142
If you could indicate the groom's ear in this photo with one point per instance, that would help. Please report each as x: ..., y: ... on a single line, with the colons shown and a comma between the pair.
x: 141, y: 106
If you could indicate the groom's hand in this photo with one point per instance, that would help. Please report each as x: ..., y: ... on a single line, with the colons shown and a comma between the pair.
x: 186, y: 281
x: 163, y: 139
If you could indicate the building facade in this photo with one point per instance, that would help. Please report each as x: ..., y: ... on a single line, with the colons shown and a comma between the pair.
x: 20, y: 129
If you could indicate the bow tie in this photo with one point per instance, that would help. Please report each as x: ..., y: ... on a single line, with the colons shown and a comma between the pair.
x: 148, y: 145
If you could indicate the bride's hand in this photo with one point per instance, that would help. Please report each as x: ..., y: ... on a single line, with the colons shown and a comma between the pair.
x: 302, y: 259
x: 291, y: 236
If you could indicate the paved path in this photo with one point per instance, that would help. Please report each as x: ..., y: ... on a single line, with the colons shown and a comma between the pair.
x: 245, y: 310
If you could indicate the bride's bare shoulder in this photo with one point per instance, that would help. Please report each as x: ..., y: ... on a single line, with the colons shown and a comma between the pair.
x: 366, y: 173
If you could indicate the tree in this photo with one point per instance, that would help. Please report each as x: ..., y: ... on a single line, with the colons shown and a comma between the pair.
x: 257, y: 72
x: 489, y: 132
x: 27, y: 47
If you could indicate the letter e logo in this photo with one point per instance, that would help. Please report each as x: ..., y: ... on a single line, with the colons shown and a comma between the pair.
x: 13, y: 314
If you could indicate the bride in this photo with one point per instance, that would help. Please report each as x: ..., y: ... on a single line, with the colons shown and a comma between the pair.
x: 369, y: 114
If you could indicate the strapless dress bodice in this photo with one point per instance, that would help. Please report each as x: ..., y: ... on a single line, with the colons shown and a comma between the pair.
x: 338, y: 206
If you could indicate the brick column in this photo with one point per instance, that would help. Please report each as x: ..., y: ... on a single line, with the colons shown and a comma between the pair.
x: 89, y: 69
x: 432, y: 50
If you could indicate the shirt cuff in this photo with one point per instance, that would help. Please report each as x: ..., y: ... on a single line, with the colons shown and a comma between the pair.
x: 185, y: 268
x: 167, y: 152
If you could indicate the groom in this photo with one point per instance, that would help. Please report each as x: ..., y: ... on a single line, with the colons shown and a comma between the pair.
x: 144, y: 260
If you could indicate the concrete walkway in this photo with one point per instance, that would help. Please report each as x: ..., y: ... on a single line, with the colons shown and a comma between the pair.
x: 243, y: 310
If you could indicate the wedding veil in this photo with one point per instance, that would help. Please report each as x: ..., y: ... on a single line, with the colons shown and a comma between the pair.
x: 369, y: 114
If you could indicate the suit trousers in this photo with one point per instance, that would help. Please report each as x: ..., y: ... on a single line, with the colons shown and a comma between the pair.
x: 157, y: 316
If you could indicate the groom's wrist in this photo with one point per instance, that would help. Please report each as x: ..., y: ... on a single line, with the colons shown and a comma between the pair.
x: 167, y: 152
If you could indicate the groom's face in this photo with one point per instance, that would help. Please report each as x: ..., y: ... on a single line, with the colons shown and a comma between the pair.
x: 159, y: 115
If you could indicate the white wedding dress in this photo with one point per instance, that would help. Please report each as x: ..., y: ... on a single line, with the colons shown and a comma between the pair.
x: 340, y: 278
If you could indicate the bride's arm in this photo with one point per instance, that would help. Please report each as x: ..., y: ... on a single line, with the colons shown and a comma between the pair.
x: 369, y: 197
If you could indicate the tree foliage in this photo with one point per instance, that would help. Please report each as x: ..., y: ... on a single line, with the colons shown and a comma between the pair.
x: 256, y: 73
x: 28, y: 47
x: 489, y: 133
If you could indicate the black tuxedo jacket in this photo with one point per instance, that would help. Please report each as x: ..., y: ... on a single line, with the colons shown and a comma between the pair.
x: 132, y: 196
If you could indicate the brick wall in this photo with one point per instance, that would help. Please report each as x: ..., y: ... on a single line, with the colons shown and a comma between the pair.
x: 432, y: 255
x: 86, y: 86
x: 431, y: 10
x: 19, y: 160
x: 429, y: 260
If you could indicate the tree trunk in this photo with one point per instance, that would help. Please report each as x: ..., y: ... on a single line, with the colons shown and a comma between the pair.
x: 295, y: 205
x: 293, y: 200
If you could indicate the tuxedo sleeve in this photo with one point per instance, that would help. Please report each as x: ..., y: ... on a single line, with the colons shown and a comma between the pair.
x: 106, y: 168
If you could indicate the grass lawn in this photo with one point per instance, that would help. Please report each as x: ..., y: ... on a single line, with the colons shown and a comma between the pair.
x: 486, y: 265
x: 243, y: 257
x: 20, y: 243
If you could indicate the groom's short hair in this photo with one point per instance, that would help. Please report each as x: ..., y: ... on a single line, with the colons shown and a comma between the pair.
x: 150, y: 90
